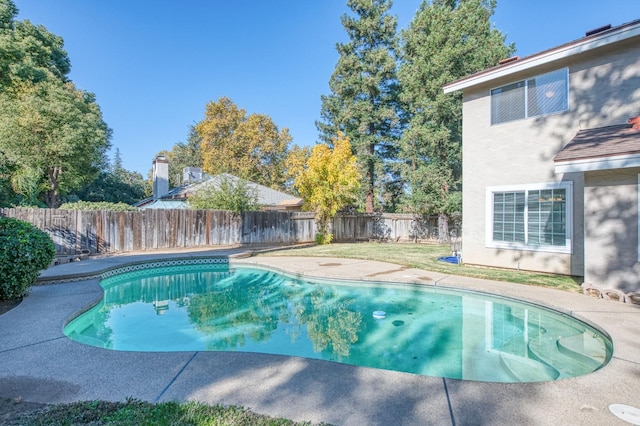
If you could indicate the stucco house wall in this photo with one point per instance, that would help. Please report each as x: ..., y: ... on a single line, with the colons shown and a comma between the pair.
x: 604, y: 89
x: 515, y: 153
x: 612, y: 260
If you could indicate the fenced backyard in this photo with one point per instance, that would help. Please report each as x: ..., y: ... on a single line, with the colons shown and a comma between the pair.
x: 102, y: 232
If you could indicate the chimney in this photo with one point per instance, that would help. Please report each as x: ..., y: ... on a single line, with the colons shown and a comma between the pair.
x: 160, y: 177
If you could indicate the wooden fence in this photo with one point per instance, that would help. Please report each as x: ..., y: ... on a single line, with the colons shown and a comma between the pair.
x: 100, y: 232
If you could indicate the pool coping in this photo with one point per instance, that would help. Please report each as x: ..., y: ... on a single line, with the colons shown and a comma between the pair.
x: 39, y: 364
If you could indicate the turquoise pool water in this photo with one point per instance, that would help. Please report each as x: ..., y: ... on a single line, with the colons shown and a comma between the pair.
x: 416, y: 329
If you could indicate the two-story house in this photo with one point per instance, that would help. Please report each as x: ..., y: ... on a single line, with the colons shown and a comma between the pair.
x: 551, y: 161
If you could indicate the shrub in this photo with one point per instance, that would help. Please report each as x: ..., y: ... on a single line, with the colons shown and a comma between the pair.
x: 324, y: 238
x: 25, y: 251
x: 99, y: 205
x: 226, y: 194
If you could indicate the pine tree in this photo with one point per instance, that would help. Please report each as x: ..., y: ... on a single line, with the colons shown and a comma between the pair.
x: 363, y: 99
x: 447, y: 40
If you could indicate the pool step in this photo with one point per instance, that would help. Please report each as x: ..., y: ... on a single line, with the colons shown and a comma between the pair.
x: 526, y: 369
x: 588, y: 347
x: 569, y: 362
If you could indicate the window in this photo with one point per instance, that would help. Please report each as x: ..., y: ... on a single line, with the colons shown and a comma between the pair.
x: 540, y: 95
x: 530, y: 217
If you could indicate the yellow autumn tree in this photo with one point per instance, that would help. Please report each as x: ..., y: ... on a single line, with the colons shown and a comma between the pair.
x: 250, y: 147
x: 329, y: 182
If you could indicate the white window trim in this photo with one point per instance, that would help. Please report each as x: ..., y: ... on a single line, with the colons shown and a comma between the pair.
x: 567, y: 248
x: 526, y: 97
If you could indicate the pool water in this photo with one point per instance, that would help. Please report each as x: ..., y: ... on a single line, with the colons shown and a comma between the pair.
x: 416, y: 329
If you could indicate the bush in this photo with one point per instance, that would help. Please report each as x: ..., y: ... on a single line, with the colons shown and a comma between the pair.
x: 25, y: 251
x: 226, y: 194
x: 324, y: 238
x: 100, y: 205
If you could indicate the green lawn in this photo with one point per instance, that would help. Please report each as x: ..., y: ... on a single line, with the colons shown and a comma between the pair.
x: 425, y: 256
x: 135, y: 412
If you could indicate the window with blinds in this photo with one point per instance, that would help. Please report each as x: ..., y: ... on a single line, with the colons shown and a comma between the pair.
x: 532, y: 217
x: 544, y: 94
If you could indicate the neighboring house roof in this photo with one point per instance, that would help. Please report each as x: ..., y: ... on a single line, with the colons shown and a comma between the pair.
x: 165, y: 204
x: 602, y: 37
x: 267, y: 197
x: 604, y: 148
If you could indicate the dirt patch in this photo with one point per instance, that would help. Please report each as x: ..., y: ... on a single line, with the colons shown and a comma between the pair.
x: 12, y: 409
x: 7, y: 305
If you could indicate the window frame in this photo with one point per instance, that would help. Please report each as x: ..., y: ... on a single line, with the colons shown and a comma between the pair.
x: 525, y: 82
x: 489, y: 211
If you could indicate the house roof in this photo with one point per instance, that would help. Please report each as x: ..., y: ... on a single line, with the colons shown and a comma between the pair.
x: 166, y: 204
x: 268, y: 197
x: 603, y: 148
x: 604, y: 37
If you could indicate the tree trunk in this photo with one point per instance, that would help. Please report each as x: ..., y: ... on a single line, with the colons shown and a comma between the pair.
x: 443, y: 228
x: 371, y: 175
x: 368, y: 206
x: 51, y: 196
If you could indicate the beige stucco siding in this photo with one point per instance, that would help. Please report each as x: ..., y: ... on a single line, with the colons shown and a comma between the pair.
x: 611, y: 229
x: 604, y: 89
x: 516, y: 153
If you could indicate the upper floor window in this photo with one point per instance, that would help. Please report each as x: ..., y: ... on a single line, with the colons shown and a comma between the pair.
x: 540, y: 95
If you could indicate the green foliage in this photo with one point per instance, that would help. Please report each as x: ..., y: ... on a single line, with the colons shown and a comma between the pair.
x: 114, y: 185
x: 324, y: 238
x: 25, y: 251
x: 30, y: 53
x: 136, y: 412
x: 446, y: 41
x: 225, y: 193
x: 364, y: 89
x: 28, y: 183
x: 8, y: 197
x: 100, y: 205
x: 57, y: 130
x: 112, y: 188
x: 49, y: 129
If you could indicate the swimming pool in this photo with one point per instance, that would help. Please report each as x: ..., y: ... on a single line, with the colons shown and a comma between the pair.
x: 209, y: 306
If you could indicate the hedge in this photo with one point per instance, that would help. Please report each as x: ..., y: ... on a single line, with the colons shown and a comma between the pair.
x: 24, y: 251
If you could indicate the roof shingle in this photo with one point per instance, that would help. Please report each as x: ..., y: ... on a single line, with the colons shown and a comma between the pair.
x: 608, y: 141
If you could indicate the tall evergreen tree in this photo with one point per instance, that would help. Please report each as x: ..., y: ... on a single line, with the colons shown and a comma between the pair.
x: 363, y: 99
x: 447, y: 40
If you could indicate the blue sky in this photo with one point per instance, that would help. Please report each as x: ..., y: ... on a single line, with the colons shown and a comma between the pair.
x: 154, y: 65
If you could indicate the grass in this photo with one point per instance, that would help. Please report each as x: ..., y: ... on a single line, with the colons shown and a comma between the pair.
x: 425, y: 256
x: 136, y: 412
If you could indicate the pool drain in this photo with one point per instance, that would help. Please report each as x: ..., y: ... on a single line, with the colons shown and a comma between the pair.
x: 626, y: 413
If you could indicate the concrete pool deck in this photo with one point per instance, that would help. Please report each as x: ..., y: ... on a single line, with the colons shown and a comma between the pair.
x: 39, y: 364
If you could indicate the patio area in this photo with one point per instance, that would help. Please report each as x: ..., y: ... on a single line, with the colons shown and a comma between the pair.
x: 38, y: 363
